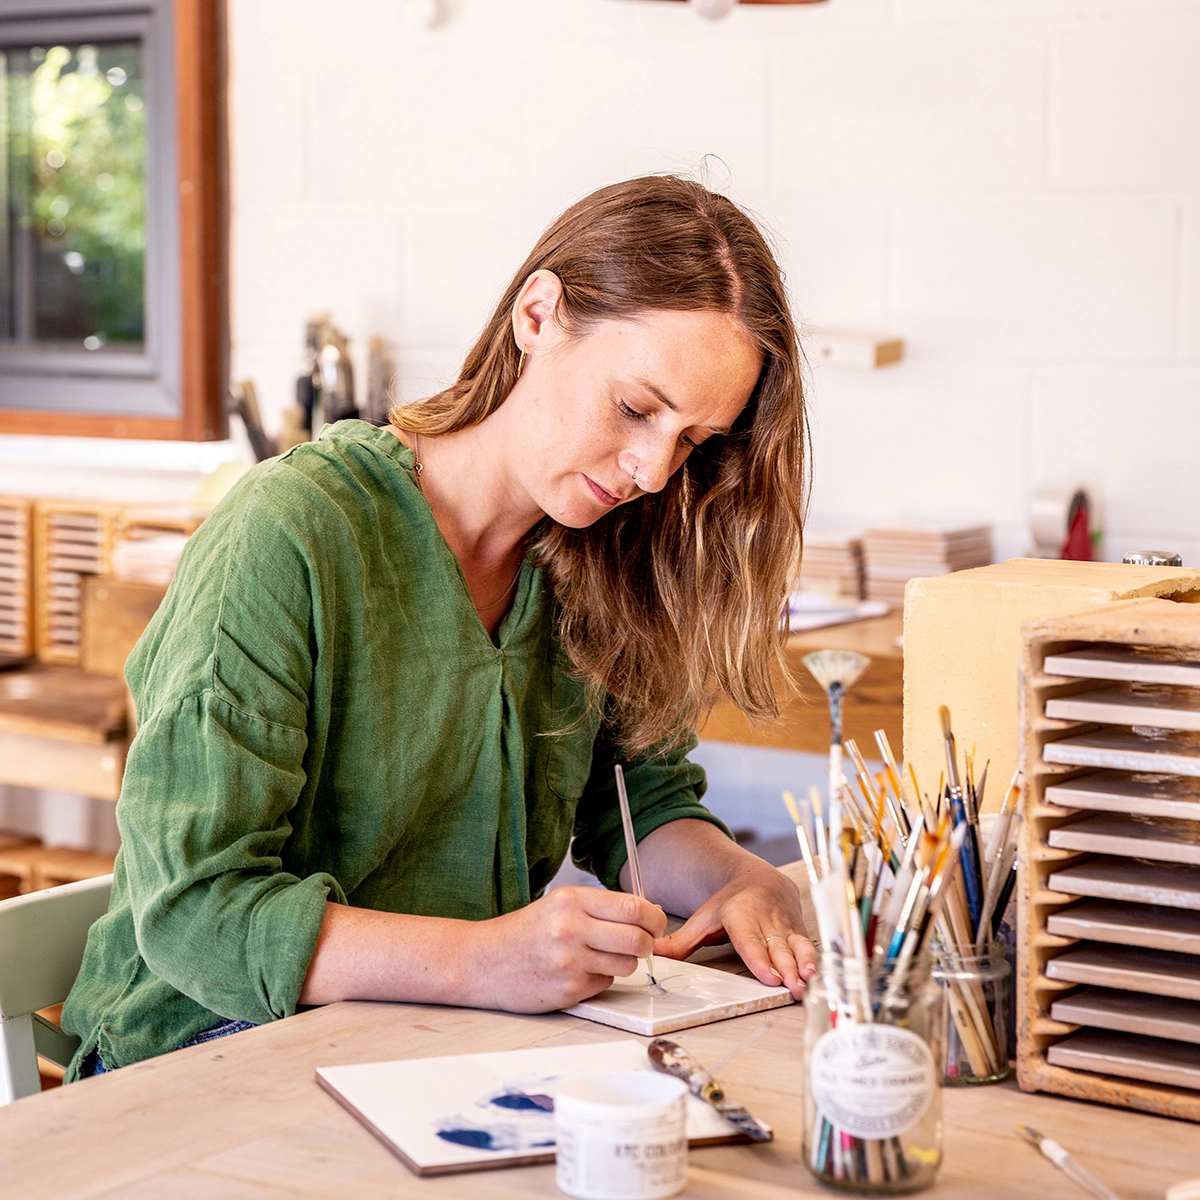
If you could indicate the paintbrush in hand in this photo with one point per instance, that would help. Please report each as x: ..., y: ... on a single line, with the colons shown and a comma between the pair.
x: 631, y: 850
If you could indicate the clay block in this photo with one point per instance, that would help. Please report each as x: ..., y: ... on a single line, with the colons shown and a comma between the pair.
x: 963, y: 642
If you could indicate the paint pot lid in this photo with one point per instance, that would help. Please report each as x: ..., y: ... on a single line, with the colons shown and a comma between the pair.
x: 1153, y: 558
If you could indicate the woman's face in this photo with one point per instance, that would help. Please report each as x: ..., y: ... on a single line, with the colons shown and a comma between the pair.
x: 605, y: 417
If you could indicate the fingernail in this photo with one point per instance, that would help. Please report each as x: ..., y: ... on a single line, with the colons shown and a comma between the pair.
x: 776, y: 973
x: 808, y: 972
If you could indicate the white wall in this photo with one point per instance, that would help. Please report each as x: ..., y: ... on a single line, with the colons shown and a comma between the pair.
x: 1012, y: 185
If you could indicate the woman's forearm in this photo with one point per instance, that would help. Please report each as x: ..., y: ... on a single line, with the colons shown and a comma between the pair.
x: 362, y: 954
x: 685, y: 862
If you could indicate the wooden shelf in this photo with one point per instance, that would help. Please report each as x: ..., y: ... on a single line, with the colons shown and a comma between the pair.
x: 875, y: 702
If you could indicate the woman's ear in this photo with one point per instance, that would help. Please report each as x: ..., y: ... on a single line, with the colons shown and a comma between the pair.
x: 533, y: 319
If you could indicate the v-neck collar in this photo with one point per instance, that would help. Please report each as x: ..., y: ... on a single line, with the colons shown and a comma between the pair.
x: 514, y: 623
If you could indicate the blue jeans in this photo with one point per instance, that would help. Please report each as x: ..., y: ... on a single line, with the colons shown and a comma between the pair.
x: 93, y: 1064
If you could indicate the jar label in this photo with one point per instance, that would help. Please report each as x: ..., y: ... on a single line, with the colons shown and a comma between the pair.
x: 872, y: 1081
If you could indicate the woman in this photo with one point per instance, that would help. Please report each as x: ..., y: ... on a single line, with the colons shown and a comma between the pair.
x: 396, y: 667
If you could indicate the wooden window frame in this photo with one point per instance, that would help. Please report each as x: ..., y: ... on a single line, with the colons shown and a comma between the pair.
x: 201, y: 155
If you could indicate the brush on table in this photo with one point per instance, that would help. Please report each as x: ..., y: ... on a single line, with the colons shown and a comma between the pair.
x: 631, y: 850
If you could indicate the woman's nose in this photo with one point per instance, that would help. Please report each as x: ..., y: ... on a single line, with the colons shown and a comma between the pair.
x: 649, y: 463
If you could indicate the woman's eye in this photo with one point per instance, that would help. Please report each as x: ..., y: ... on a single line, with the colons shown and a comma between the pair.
x: 631, y: 413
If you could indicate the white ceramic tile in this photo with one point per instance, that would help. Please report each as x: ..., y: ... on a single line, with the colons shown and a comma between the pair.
x: 921, y: 440
x: 834, y: 253
x: 1027, y: 12
x: 619, y: 111
x: 1125, y: 107
x: 1048, y: 280
x: 1133, y: 432
x: 898, y: 109
x: 457, y: 266
x: 457, y: 129
x: 1189, y: 324
x: 267, y: 148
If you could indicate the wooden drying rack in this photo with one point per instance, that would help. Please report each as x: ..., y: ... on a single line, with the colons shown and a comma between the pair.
x: 1144, y: 623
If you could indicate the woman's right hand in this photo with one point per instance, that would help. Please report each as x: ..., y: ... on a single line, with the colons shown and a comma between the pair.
x: 560, y: 949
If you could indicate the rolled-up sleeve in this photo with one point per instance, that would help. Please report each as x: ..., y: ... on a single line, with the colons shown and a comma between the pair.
x: 663, y: 786
x: 204, y: 815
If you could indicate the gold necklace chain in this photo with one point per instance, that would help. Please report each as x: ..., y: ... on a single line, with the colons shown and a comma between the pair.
x: 418, y: 467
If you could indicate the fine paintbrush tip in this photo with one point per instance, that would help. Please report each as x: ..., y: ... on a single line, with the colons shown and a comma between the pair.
x: 829, y: 667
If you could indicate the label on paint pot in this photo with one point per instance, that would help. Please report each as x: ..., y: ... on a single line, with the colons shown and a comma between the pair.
x: 872, y: 1081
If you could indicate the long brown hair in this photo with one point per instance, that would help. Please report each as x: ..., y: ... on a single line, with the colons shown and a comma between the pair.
x: 679, y: 596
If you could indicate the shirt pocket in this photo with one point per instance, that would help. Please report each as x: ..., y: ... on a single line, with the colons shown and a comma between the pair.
x: 567, y: 761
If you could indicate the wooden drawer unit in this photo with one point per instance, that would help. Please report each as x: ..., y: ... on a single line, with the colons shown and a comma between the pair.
x: 1108, y: 1001
x: 72, y: 541
x: 16, y: 577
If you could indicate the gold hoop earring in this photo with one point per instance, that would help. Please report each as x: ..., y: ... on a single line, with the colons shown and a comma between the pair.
x: 521, y: 363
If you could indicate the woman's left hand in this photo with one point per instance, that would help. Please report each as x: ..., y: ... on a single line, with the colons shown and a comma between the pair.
x: 733, y: 895
x: 759, y: 912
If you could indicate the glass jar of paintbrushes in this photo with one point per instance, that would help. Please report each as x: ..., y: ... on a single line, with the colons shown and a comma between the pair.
x: 970, y: 962
x: 874, y: 1037
x: 872, y: 1052
x: 976, y: 995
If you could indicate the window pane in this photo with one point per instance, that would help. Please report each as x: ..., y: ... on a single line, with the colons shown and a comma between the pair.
x: 75, y: 209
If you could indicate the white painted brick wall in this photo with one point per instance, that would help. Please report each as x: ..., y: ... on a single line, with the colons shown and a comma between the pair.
x: 1012, y: 185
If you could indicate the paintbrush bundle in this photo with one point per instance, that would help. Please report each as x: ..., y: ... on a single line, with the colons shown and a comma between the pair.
x: 893, y: 556
x: 881, y: 864
x: 901, y: 882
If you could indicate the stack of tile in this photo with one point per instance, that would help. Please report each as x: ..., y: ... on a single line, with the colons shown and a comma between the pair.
x: 832, y: 565
x: 896, y: 555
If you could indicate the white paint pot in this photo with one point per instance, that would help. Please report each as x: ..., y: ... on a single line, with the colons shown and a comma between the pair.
x: 621, y: 1135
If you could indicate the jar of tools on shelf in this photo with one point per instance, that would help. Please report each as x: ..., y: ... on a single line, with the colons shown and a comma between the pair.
x: 873, y: 1049
x: 977, y: 994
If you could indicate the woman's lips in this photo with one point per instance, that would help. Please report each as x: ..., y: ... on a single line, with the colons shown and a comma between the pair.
x: 604, y: 496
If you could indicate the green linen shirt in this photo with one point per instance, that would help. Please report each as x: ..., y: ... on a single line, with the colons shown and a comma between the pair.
x: 323, y: 717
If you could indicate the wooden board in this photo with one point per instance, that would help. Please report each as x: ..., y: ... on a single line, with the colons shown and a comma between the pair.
x: 1131, y: 704
x: 1131, y: 1056
x: 1130, y: 1012
x: 1115, y: 791
x: 1175, y: 885
x: 1159, y: 838
x: 115, y: 614
x: 1124, y: 924
x: 1157, y: 972
x: 41, y: 762
x: 62, y: 703
x: 1145, y: 664
x: 1124, y: 750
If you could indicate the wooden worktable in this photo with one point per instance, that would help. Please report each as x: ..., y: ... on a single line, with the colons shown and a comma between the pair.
x: 243, y: 1119
x: 875, y: 702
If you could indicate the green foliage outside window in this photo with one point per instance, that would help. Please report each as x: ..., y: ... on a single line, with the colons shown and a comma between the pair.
x: 77, y: 192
